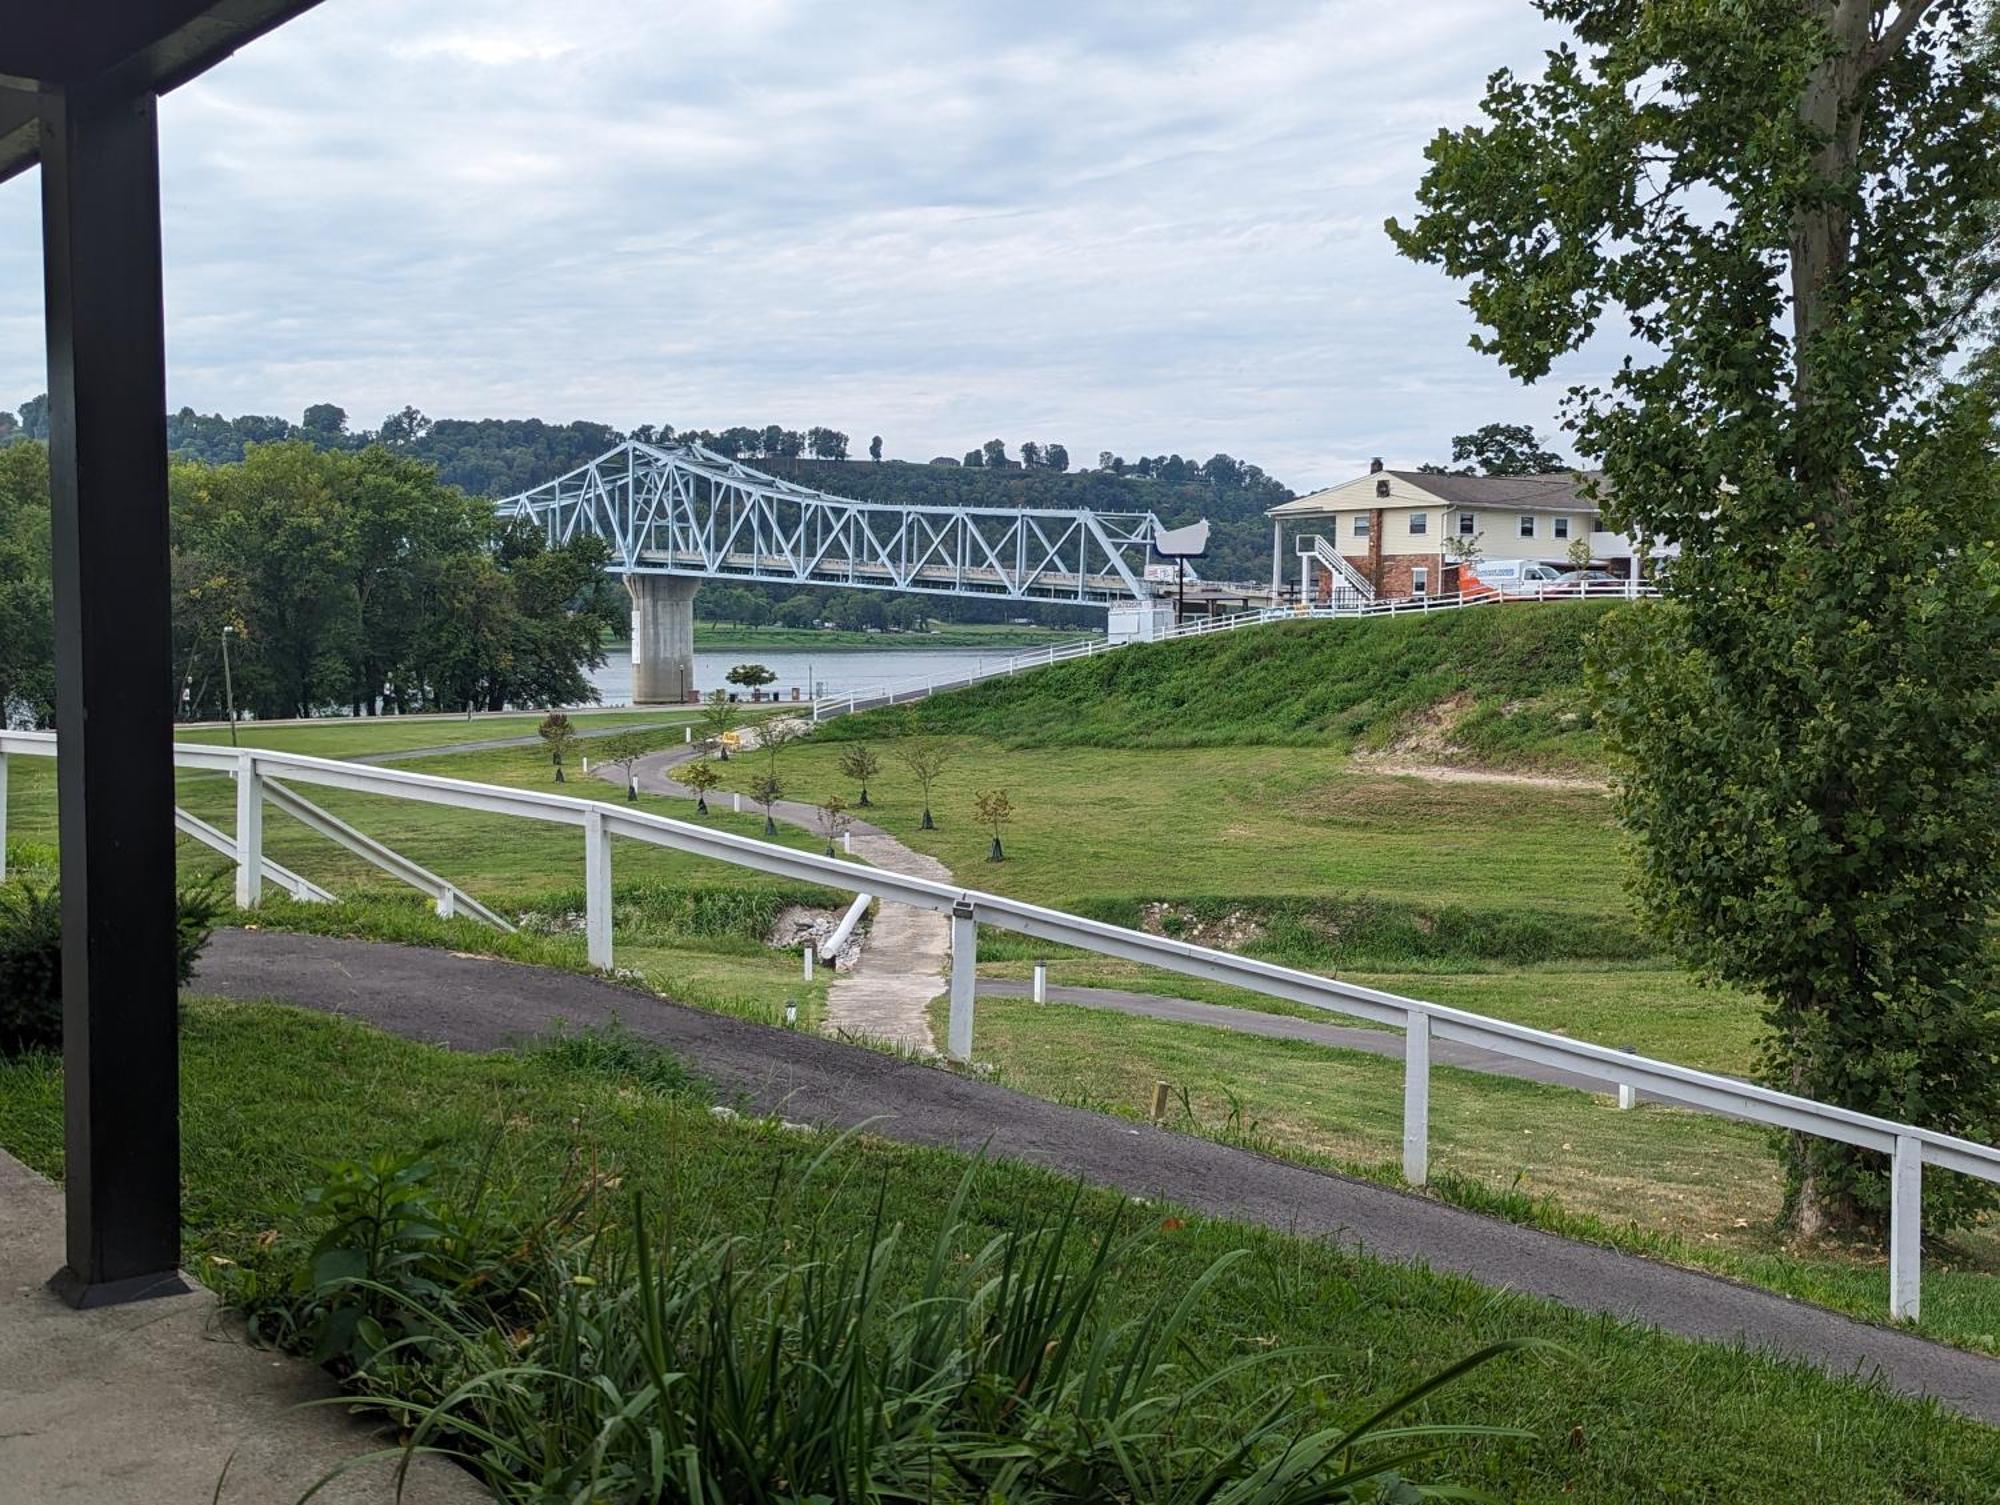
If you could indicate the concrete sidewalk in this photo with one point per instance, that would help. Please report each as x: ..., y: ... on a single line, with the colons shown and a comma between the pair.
x: 149, y: 1404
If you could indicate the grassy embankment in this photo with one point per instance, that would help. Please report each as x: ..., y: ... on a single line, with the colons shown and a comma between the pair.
x: 1238, y: 792
x: 1623, y: 1414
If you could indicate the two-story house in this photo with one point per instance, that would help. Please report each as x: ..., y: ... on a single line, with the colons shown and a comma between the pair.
x: 1405, y: 532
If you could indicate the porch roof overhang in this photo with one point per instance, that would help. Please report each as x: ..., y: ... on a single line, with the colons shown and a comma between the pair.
x: 119, y: 46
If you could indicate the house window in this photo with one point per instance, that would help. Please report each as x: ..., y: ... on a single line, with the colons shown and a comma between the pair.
x: 1381, y: 488
x: 1527, y: 525
x: 1360, y: 525
x: 1420, y: 580
x: 1562, y: 527
x: 1420, y: 522
x: 1465, y: 524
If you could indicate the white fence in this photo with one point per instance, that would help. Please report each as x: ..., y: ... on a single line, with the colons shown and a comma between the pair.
x: 903, y: 692
x: 256, y: 772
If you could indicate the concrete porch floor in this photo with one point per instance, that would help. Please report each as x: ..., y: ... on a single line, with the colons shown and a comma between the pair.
x: 149, y: 1403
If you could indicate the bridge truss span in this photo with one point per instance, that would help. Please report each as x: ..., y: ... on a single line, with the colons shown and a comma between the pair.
x: 685, y: 510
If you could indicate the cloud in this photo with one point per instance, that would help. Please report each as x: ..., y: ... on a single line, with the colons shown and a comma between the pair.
x: 1142, y: 227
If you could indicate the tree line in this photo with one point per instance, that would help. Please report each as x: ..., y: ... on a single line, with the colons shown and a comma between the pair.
x: 348, y: 580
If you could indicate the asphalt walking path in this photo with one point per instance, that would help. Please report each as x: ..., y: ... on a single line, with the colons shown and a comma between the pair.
x: 474, y: 1003
x: 887, y: 996
x: 1375, y: 1042
x: 492, y: 744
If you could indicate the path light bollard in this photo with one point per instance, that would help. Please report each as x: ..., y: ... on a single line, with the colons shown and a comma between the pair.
x: 596, y: 889
x: 791, y: 1013
x: 1628, y: 1095
x: 1417, y: 1098
x: 1041, y: 989
x: 964, y: 960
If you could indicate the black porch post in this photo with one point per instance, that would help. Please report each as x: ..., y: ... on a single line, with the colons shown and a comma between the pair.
x: 108, y: 483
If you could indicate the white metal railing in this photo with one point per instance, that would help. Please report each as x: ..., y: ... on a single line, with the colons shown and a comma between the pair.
x: 906, y: 691
x: 1909, y: 1146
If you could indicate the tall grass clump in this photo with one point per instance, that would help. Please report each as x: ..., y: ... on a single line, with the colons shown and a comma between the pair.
x: 622, y: 1356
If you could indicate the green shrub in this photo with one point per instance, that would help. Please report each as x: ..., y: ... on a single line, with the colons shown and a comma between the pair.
x: 588, y: 1360
x: 31, y: 958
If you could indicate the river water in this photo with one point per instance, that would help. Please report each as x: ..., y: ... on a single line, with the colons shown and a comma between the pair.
x: 835, y: 671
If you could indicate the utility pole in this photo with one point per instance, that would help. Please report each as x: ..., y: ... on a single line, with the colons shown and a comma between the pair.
x: 228, y: 684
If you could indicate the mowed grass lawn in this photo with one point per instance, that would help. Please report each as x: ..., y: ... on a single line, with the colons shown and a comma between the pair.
x: 1095, y: 822
x: 1618, y: 1414
x: 1684, y: 1186
x: 517, y: 867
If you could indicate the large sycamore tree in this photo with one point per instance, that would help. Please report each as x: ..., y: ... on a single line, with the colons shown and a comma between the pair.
x: 1769, y: 197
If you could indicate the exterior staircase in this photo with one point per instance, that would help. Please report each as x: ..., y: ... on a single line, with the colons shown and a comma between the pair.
x: 1351, y: 588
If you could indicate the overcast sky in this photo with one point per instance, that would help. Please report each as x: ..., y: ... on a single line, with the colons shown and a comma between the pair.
x: 1143, y: 227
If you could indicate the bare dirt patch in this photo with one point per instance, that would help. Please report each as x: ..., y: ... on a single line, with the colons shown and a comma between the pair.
x: 1228, y: 932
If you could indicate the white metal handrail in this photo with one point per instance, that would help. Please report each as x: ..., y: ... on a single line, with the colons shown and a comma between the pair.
x: 1910, y: 1147
x: 905, y: 691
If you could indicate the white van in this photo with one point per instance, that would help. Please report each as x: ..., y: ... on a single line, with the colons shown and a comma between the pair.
x: 1510, y: 575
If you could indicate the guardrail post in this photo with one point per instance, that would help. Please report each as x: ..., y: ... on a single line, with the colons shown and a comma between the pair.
x: 3, y: 817
x: 1906, y: 1226
x: 597, y: 889
x: 447, y: 903
x: 249, y: 832
x: 1041, y: 982
x: 964, y: 959
x: 1417, y: 1098
x: 1628, y: 1095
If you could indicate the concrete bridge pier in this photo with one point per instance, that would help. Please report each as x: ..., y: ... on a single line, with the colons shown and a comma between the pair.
x: 662, y: 638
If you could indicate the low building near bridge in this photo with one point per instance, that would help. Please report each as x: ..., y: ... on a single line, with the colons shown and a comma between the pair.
x: 1397, y: 534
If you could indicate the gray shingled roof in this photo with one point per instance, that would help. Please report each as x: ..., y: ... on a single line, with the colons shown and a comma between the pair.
x: 1559, y: 490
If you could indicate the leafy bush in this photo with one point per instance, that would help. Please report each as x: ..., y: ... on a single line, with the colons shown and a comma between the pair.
x: 586, y: 1360
x: 31, y: 958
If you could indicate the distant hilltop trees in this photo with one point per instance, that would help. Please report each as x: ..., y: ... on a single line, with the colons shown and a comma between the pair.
x: 494, y: 457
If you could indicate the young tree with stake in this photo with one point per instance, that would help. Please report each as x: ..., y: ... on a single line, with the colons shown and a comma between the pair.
x: 926, y: 758
x: 994, y: 810
x: 718, y: 719
x: 833, y: 821
x: 859, y: 763
x: 1772, y: 197
x: 767, y: 791
x: 624, y: 750
x: 700, y: 777
x: 558, y: 734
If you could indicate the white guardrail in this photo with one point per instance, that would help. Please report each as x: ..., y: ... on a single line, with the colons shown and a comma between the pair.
x: 1909, y: 1147
x: 903, y: 692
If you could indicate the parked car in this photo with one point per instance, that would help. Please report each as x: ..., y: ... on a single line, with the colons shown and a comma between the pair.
x: 1589, y: 583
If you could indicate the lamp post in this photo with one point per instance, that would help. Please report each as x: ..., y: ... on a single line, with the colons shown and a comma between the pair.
x: 228, y: 684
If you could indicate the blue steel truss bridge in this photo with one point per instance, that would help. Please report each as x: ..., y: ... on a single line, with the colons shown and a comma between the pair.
x: 675, y: 515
